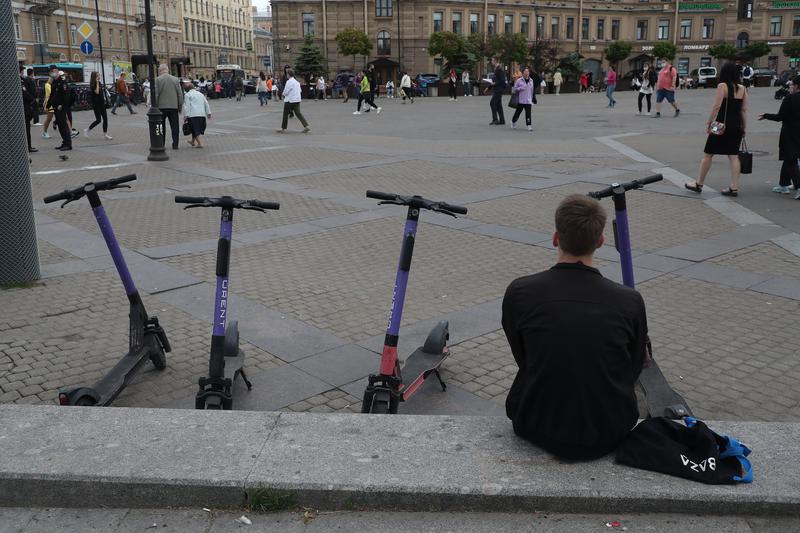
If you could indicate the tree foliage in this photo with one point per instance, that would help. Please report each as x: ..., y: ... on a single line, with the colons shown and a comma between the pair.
x: 757, y: 49
x: 722, y: 51
x: 665, y: 49
x: 479, y: 44
x: 570, y: 66
x: 509, y: 47
x: 792, y: 49
x: 457, y: 52
x: 543, y: 54
x: 618, y: 51
x: 310, y: 62
x: 353, y: 42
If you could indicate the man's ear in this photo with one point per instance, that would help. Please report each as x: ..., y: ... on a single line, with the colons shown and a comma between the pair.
x: 555, y: 239
x: 601, y: 241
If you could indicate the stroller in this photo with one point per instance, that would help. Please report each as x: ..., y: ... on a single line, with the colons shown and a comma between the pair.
x: 782, y: 92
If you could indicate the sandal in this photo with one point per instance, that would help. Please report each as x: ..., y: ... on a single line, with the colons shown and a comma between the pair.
x: 729, y: 192
x: 696, y: 187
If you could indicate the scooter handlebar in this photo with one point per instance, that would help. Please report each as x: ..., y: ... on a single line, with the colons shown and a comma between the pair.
x: 190, y: 199
x: 635, y: 184
x: 264, y: 205
x: 417, y: 201
x: 77, y: 192
x: 454, y: 208
x: 381, y: 195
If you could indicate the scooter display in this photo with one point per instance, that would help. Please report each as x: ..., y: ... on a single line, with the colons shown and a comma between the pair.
x: 147, y: 339
x: 661, y: 398
x: 226, y: 360
x: 397, y: 382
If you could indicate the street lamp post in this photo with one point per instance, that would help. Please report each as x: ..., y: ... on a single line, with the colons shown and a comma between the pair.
x: 154, y: 118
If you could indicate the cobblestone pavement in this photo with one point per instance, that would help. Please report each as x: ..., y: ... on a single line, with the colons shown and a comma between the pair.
x: 722, y: 285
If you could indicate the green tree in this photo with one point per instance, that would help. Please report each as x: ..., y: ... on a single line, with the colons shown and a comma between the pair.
x: 456, y: 51
x: 310, y: 62
x: 570, y: 66
x: 543, y: 54
x: 509, y: 47
x: 353, y: 42
x: 479, y: 44
x: 617, y: 51
x: 665, y: 49
x: 756, y: 50
x: 722, y: 51
x: 792, y: 49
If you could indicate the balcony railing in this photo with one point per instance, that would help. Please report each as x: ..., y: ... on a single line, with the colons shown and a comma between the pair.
x: 141, y: 19
x: 43, y: 7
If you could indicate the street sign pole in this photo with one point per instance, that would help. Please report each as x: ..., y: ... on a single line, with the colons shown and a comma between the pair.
x: 100, y: 43
x: 154, y: 116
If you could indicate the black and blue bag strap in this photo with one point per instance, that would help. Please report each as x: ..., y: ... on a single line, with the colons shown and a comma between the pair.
x: 732, y: 448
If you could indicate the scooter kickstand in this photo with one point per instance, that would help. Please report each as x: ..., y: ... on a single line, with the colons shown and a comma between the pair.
x: 441, y: 381
x: 240, y: 372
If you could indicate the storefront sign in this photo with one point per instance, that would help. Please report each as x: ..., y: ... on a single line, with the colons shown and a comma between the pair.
x: 784, y: 4
x: 697, y: 6
x: 687, y: 47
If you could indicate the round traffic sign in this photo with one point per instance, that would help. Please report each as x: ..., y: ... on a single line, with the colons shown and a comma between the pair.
x: 86, y: 47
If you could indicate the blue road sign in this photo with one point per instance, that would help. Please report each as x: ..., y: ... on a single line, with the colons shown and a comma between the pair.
x: 87, y: 48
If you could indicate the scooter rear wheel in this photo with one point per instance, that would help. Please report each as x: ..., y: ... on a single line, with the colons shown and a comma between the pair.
x: 159, y: 359
x: 85, y: 400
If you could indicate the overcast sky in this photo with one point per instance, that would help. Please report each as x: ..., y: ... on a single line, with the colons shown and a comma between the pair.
x: 260, y: 4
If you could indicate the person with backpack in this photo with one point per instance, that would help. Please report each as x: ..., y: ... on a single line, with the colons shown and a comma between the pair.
x: 28, y: 87
x: 747, y: 75
x: 239, y: 86
x: 665, y: 86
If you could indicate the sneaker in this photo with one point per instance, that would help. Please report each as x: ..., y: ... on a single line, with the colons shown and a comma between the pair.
x: 677, y: 112
x: 108, y: 137
x: 530, y: 128
x: 356, y: 112
x: 306, y: 130
x: 75, y: 133
x: 113, y: 112
x: 797, y: 196
x: 378, y: 111
x: 86, y: 133
x: 513, y: 125
x: 45, y: 135
x: 658, y: 115
x: 780, y: 190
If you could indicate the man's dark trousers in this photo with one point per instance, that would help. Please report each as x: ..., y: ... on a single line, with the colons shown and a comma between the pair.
x: 496, y: 103
x: 63, y: 127
x: 292, y: 107
x: 172, y: 116
x: 28, y: 117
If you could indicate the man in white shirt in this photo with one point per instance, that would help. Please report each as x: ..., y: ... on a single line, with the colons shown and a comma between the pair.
x: 405, y: 88
x: 291, y: 102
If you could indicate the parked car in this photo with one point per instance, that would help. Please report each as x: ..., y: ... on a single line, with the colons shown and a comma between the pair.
x: 707, y: 77
x: 764, y: 77
x: 249, y: 86
x: 425, y: 80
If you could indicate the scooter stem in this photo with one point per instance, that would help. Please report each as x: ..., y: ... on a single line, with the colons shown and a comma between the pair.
x: 111, y: 241
x: 622, y: 236
x: 223, y: 265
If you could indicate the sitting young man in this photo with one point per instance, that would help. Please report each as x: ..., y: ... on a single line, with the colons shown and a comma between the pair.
x: 579, y: 340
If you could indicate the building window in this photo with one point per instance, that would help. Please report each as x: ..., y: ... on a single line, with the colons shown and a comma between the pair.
x: 524, y: 25
x: 474, y: 23
x: 686, y: 29
x: 38, y: 30
x: 615, y: 25
x: 570, y: 28
x: 683, y: 66
x: 383, y: 8
x: 308, y: 24
x: 585, y: 28
x: 384, y: 43
x: 775, y: 24
x: 508, y: 24
x: 772, y: 62
x: 742, y: 40
x: 492, y: 24
x: 641, y: 30
x: 456, y: 22
x: 745, y: 9
x: 17, y: 29
x: 708, y: 29
x: 555, y: 24
x: 438, y: 16
x: 663, y: 29
x: 601, y: 29
x: 110, y: 37
x: 705, y: 61
x: 60, y: 32
x: 796, y: 26
x: 539, y: 26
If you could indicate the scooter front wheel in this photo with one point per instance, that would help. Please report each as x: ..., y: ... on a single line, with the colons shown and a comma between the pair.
x: 159, y: 359
x: 85, y: 400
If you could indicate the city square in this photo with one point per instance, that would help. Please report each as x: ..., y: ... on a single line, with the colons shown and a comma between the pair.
x: 311, y: 283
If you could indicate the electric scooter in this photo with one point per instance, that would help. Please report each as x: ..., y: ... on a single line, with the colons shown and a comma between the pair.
x: 226, y: 360
x: 661, y: 398
x: 147, y: 339
x: 394, y: 383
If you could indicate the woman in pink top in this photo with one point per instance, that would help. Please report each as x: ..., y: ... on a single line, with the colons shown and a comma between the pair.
x: 524, y: 89
x: 611, y: 84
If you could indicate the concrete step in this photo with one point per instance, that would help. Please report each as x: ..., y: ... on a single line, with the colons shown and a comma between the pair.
x: 120, y: 457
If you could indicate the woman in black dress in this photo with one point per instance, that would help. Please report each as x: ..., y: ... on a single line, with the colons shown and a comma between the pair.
x: 730, y: 108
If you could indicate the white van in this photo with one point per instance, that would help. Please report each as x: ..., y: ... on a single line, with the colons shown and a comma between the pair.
x: 706, y: 75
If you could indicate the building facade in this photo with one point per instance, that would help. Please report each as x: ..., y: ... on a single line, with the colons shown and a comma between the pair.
x: 218, y: 32
x: 48, y: 31
x: 400, y: 30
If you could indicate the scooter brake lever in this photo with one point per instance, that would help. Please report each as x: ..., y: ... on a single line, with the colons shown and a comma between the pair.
x: 445, y: 211
x: 120, y: 186
x: 253, y: 208
x: 393, y: 202
x: 67, y: 201
x: 196, y: 205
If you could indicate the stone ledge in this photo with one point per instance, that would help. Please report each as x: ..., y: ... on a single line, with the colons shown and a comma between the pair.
x: 92, y: 457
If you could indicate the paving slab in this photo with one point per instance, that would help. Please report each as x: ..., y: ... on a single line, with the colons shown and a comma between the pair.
x: 784, y: 287
x: 614, y: 273
x: 713, y: 246
x: 79, y: 243
x: 722, y: 275
x: 171, y: 250
x: 510, y: 234
x: 340, y: 365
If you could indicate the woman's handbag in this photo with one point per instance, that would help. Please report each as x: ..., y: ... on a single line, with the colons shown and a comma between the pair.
x: 187, y: 128
x: 745, y: 158
x: 513, y: 103
x: 717, y: 127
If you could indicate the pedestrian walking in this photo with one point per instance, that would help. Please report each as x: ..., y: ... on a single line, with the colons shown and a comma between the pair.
x: 465, y: 82
x: 238, y: 85
x: 97, y: 98
x: 611, y: 85
x: 499, y: 85
x: 59, y: 98
x: 789, y: 141
x: 321, y: 88
x: 373, y: 83
x: 274, y: 84
x: 28, y: 88
x: 47, y: 106
x: 524, y: 88
x: 123, y: 95
x: 665, y: 86
x: 146, y: 90
x: 747, y: 75
x: 647, y: 80
x: 726, y: 127
x: 558, y: 79
x: 169, y: 99
x: 262, y: 89
x: 451, y: 85
x: 291, y: 102
x: 584, y: 82
x: 195, y: 111
x: 405, y: 88
x: 366, y: 95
